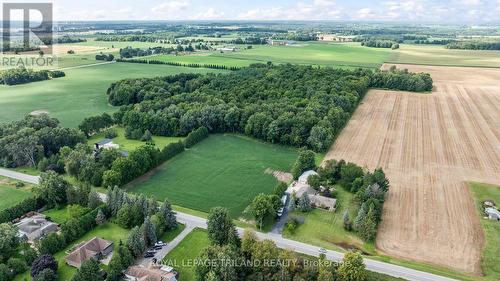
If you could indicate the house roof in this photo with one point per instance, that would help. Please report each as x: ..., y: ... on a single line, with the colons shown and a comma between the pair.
x: 104, y: 141
x: 303, y: 178
x: 151, y: 273
x: 87, y: 250
x: 34, y: 223
x: 319, y: 200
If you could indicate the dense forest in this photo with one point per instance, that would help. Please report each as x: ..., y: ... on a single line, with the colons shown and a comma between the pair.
x: 22, y: 75
x: 286, y: 104
x: 380, y: 44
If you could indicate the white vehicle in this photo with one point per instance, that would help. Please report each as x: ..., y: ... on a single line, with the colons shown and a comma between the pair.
x: 322, y: 251
x: 160, y: 243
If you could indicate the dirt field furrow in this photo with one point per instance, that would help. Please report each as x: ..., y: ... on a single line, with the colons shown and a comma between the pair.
x: 430, y: 145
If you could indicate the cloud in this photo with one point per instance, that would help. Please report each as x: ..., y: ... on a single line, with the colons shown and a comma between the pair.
x: 470, y: 2
x: 170, y: 7
x: 209, y: 14
x: 365, y: 13
x: 311, y: 10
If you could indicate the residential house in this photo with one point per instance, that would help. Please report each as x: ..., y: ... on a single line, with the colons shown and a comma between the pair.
x: 35, y: 227
x: 152, y: 272
x: 96, y: 248
x: 301, y: 186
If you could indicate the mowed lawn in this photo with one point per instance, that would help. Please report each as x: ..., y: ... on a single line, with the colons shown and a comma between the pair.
x: 11, y: 195
x: 223, y: 170
x: 439, y: 55
x: 82, y: 93
x: 182, y: 256
x: 490, y: 259
x: 130, y: 145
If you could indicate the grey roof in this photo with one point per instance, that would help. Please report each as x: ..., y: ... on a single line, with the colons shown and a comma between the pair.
x: 104, y: 141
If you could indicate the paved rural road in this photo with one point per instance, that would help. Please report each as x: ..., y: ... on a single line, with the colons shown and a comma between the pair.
x: 192, y: 222
x: 19, y: 176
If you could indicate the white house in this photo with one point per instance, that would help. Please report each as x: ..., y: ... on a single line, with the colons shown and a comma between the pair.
x: 301, y: 186
x: 35, y: 227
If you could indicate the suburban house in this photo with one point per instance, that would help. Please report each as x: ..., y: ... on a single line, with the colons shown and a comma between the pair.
x: 35, y: 227
x: 335, y: 38
x: 96, y: 248
x: 301, y: 186
x: 152, y: 272
x: 281, y: 42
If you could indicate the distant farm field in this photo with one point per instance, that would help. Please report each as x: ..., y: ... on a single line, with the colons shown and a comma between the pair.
x: 439, y: 55
x: 316, y: 53
x: 430, y: 145
x: 223, y: 170
x: 80, y: 94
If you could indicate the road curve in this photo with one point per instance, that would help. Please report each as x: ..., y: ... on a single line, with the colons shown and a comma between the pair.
x: 193, y: 221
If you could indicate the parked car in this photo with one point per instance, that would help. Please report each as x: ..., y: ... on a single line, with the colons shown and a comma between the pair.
x: 157, y: 248
x: 148, y: 255
x: 160, y: 243
x: 322, y: 250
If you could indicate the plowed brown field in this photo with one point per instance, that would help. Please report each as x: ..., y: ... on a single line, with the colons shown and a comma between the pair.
x: 429, y: 146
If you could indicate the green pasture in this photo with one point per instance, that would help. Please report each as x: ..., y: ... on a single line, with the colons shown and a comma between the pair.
x: 439, y: 55
x: 223, y: 170
x: 82, y: 93
x: 204, y: 58
x: 130, y: 145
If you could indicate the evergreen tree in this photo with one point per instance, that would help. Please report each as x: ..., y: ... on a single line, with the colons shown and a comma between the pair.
x: 149, y: 232
x: 100, y: 217
x: 169, y: 215
x: 304, y: 203
x: 135, y: 242
x: 352, y: 268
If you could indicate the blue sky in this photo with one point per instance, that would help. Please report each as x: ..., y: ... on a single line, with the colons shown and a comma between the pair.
x: 461, y: 11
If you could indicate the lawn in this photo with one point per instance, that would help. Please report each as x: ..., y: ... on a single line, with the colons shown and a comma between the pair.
x: 80, y: 94
x: 10, y: 194
x: 491, y: 258
x: 439, y: 55
x: 170, y: 235
x: 223, y: 170
x: 182, y: 256
x: 325, y: 229
x: 130, y: 145
x: 59, y: 216
x: 329, y: 54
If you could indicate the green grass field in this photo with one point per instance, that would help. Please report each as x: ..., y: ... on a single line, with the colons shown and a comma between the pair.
x: 439, y: 55
x: 80, y: 94
x: 130, y: 145
x: 189, y: 249
x: 170, y: 235
x: 317, y: 53
x: 223, y: 170
x: 59, y: 216
x: 490, y: 259
x: 10, y: 194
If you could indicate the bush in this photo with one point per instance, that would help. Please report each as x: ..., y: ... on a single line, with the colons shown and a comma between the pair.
x: 305, y: 161
x: 110, y: 133
x: 43, y: 262
x: 23, y: 207
x: 46, y: 275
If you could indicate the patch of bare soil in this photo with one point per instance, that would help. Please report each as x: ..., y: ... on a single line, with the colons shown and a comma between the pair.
x: 429, y: 145
x: 280, y: 176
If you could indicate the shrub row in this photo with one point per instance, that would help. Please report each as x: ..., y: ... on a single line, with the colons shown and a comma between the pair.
x: 22, y: 75
x: 23, y: 207
x: 192, y: 65
x: 195, y: 137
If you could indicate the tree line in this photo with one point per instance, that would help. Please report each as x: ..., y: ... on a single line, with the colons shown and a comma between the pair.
x: 474, y: 45
x: 21, y: 75
x: 402, y: 80
x: 192, y: 65
x: 380, y: 44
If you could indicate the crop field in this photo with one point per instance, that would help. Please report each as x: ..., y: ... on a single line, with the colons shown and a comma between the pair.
x: 228, y: 166
x: 349, y: 55
x: 429, y: 145
x: 439, y: 55
x: 80, y: 94
x: 10, y: 194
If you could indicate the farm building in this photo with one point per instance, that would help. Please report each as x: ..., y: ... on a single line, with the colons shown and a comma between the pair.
x: 96, y: 248
x: 151, y: 273
x: 334, y: 38
x: 301, y: 186
x: 492, y: 213
x: 35, y: 227
x: 281, y: 42
x: 106, y: 144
